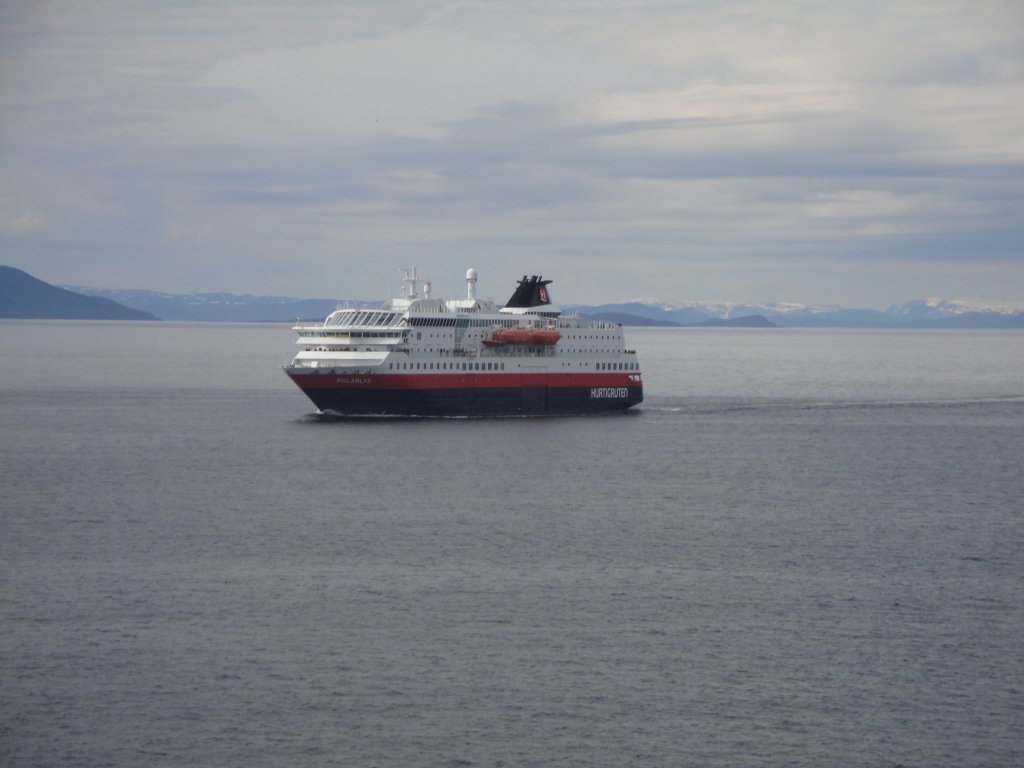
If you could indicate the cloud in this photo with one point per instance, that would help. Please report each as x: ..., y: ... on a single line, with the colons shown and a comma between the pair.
x: 18, y: 222
x: 635, y: 145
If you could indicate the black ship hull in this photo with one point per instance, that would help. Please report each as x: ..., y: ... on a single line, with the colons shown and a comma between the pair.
x: 349, y: 400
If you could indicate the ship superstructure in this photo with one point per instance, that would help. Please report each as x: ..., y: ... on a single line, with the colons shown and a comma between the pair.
x: 417, y: 355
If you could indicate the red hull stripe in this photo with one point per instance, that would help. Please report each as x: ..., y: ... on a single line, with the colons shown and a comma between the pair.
x: 461, y: 380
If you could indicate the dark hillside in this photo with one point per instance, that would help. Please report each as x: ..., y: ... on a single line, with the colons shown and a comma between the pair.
x: 23, y: 296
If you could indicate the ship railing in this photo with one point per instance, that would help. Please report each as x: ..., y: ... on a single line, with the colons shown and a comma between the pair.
x: 574, y: 320
x: 456, y: 352
x: 329, y: 370
x: 519, y: 350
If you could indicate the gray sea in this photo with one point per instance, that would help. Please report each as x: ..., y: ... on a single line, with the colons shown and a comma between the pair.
x: 805, y: 549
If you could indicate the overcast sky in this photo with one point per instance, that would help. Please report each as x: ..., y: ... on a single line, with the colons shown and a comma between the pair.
x: 857, y: 153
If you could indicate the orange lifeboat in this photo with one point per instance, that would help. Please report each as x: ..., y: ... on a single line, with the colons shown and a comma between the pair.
x: 537, y: 336
x: 546, y: 337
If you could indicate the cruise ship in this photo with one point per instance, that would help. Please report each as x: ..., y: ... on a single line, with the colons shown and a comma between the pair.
x: 421, y: 356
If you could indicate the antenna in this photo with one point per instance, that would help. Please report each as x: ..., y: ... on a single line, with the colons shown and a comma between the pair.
x: 409, y: 283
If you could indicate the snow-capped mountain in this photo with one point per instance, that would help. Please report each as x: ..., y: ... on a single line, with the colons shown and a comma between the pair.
x: 939, y: 309
x: 921, y: 313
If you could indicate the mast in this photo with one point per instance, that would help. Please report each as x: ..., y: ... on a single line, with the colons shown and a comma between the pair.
x: 409, y: 283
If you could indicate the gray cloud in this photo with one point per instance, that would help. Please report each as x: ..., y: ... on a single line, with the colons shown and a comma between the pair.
x: 634, y: 148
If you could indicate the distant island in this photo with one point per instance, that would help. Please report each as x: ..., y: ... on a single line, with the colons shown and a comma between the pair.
x: 25, y: 297
x: 745, y: 321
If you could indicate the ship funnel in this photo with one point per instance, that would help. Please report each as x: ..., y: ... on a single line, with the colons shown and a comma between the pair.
x: 471, y: 284
x: 531, y: 292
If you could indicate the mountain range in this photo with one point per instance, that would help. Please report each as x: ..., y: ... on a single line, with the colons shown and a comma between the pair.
x: 919, y: 313
x: 924, y: 313
x: 22, y: 295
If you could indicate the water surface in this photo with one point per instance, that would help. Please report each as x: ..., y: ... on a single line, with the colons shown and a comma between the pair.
x: 804, y: 549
